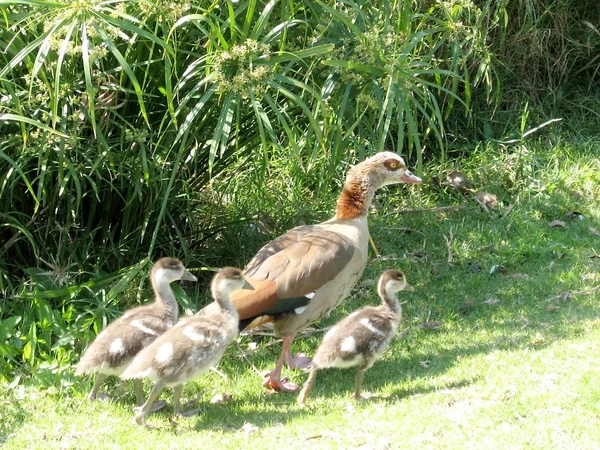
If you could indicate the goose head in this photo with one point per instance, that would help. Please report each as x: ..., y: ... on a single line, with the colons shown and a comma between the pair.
x: 382, y: 169
x: 167, y: 270
x: 227, y: 280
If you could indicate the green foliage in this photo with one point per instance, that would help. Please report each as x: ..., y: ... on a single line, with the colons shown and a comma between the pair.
x: 133, y: 130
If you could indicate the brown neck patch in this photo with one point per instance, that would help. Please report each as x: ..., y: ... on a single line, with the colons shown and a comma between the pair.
x: 354, y: 200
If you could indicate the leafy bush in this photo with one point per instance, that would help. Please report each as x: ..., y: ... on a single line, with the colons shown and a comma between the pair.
x: 124, y: 123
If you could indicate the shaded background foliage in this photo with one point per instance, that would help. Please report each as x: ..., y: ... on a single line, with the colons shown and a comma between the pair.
x: 133, y: 130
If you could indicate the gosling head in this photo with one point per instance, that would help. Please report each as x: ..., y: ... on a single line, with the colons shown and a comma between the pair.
x: 391, y: 282
x: 227, y: 280
x: 167, y: 270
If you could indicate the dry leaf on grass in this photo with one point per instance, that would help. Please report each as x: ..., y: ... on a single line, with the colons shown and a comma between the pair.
x: 249, y: 428
x: 221, y: 398
x: 366, y: 283
x: 431, y: 325
x: 487, y: 200
x: 491, y: 301
x: 466, y: 307
x: 424, y: 364
x: 594, y: 231
x: 557, y: 224
x: 252, y: 345
x: 498, y: 268
x: 508, y: 211
x: 577, y: 195
x: 574, y: 215
x: 458, y: 181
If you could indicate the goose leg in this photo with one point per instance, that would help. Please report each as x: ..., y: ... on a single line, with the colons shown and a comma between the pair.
x: 300, y: 361
x: 273, y: 379
x: 307, y: 386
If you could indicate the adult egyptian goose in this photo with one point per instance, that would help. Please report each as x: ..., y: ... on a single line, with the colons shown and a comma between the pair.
x: 303, y: 274
x: 192, y: 346
x: 114, y: 348
x: 361, y: 338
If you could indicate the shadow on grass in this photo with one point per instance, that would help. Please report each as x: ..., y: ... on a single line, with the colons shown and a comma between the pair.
x: 258, y: 411
x: 525, y: 318
x: 13, y: 416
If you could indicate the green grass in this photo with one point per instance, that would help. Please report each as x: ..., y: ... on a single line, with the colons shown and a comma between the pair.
x: 519, y: 371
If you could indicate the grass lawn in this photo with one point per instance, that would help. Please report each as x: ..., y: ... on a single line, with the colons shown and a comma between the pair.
x: 502, y: 358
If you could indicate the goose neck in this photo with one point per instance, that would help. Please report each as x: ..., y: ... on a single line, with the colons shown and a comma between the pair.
x: 356, y: 198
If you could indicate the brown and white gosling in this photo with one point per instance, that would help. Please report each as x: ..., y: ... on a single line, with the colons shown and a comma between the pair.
x: 192, y: 346
x: 115, y: 347
x: 361, y: 338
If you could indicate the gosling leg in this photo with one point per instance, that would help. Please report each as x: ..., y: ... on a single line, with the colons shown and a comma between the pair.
x: 140, y: 416
x: 308, y: 385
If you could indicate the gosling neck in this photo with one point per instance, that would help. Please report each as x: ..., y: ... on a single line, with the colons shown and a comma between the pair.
x: 221, y: 296
x: 166, y: 298
x: 389, y: 298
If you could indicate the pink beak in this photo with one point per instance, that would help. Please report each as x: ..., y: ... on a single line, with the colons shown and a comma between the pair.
x: 408, y: 177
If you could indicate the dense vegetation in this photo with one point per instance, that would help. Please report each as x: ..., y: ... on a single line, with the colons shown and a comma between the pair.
x: 132, y: 130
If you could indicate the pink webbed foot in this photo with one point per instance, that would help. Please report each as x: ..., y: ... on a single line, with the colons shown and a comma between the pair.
x: 274, y: 383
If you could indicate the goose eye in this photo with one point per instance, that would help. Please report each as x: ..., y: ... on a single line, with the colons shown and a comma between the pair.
x: 392, y: 164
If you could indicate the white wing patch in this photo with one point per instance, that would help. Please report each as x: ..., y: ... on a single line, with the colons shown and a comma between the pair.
x: 369, y: 325
x: 330, y: 333
x: 140, y: 326
x: 117, y: 346
x: 300, y: 309
x: 348, y: 344
x: 164, y: 353
x: 191, y: 333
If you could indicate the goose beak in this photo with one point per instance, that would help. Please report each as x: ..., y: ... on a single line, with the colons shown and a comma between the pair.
x: 408, y: 288
x: 188, y: 276
x: 248, y: 286
x: 408, y: 177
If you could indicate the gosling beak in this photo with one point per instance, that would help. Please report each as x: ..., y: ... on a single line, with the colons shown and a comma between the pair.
x: 188, y: 276
x: 408, y: 288
x: 408, y: 177
x: 248, y: 286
